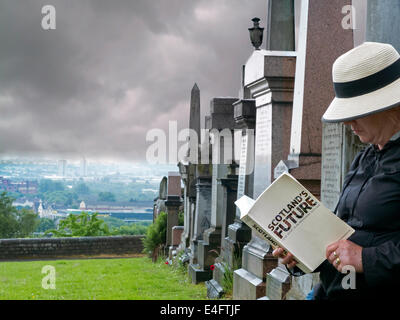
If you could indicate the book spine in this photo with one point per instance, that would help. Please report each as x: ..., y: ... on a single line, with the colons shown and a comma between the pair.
x: 274, y: 243
x: 261, y: 232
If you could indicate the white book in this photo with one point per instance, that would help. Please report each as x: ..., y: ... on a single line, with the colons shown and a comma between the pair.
x: 287, y: 215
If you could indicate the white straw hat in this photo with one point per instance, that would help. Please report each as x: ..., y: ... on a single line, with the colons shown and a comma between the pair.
x: 366, y: 81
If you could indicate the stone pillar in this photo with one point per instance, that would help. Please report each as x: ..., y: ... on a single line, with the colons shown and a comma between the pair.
x: 183, y: 171
x: 383, y: 22
x: 187, y: 169
x: 202, y: 210
x: 269, y: 79
x: 173, y: 203
x: 238, y: 234
x: 221, y: 123
x: 280, y: 28
x: 321, y: 40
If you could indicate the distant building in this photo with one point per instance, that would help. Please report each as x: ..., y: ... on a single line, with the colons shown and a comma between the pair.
x: 24, y: 203
x: 83, y: 168
x: 46, y: 211
x: 24, y: 187
x: 82, y: 205
x: 27, y: 187
x: 62, y: 168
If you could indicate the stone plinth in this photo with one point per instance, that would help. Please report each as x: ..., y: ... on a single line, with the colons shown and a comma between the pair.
x: 270, y: 80
x: 176, y: 235
x: 277, y: 284
x: 176, y: 240
x: 239, y: 234
x: 246, y: 286
x: 221, y: 124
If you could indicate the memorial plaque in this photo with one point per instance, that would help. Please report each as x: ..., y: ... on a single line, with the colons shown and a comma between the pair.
x: 214, y: 191
x: 331, y: 174
x: 339, y: 147
x: 262, y: 169
x: 242, y: 167
x: 246, y: 165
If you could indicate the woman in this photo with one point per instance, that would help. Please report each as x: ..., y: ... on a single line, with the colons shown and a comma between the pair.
x: 367, y: 87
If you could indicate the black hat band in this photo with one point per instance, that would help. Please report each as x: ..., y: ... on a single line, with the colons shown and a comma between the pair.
x: 368, y: 84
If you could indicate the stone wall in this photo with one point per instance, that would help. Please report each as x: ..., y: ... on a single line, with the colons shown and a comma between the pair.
x: 79, y: 247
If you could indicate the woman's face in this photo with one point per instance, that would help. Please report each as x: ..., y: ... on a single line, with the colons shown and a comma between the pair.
x: 371, y: 129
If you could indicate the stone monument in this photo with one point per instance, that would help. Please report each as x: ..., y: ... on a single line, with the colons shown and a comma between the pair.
x: 269, y: 78
x: 173, y: 203
x: 238, y: 233
x: 187, y: 170
x: 220, y: 123
x: 202, y: 211
x: 321, y: 39
x: 383, y: 24
x: 159, y: 202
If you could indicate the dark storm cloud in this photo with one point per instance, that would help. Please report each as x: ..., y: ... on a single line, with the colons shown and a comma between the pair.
x: 113, y: 70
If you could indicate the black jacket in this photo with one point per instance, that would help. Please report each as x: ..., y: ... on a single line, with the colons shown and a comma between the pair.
x: 370, y: 203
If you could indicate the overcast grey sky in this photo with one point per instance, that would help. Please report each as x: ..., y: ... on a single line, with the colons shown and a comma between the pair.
x: 113, y: 70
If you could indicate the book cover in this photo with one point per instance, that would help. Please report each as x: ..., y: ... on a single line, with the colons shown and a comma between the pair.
x: 287, y: 215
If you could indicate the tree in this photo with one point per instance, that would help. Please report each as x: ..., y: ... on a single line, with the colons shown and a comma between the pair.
x: 134, y: 229
x: 65, y: 198
x: 81, y: 188
x: 27, y: 222
x: 47, y: 185
x: 15, y: 223
x: 106, y: 196
x: 45, y: 224
x: 181, y: 218
x: 156, y: 235
x: 8, y: 217
x: 82, y: 225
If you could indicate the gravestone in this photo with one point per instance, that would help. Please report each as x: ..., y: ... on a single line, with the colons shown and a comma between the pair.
x: 331, y: 173
x: 202, y: 210
x: 278, y: 284
x: 176, y: 240
x: 183, y: 171
x: 194, y: 118
x: 238, y: 233
x: 321, y: 40
x: 159, y: 202
x: 173, y: 203
x: 269, y: 78
x: 280, y: 29
x: 221, y: 123
x: 339, y: 147
x: 187, y: 169
x: 383, y: 22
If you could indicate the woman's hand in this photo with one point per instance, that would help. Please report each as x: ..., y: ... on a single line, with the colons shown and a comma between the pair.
x: 345, y: 253
x: 287, y: 259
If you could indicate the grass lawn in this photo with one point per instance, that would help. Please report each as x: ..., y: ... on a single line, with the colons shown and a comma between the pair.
x: 100, y: 279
